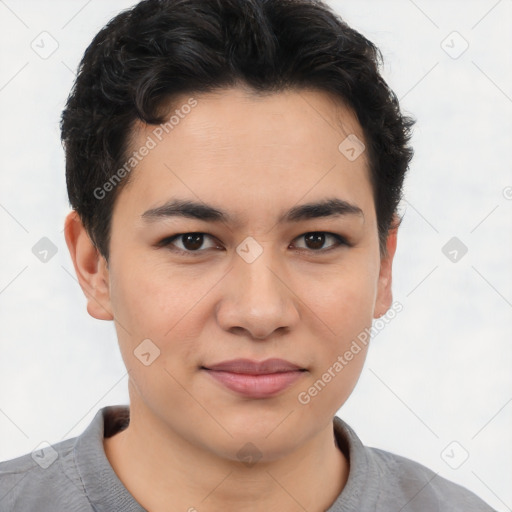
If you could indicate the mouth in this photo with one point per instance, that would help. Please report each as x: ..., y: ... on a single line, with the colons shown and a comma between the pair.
x: 255, y: 379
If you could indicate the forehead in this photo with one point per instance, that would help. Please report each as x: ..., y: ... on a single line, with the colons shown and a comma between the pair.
x: 236, y: 147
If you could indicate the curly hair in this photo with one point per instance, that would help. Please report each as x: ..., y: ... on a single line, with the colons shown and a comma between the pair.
x: 159, y: 49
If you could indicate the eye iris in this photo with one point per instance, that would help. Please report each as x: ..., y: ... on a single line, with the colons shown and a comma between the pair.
x: 317, y: 240
x: 192, y: 241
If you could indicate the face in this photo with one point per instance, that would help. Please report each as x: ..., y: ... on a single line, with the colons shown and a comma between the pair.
x: 251, y: 274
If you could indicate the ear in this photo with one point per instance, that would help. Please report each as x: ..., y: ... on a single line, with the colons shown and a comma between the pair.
x: 90, y: 268
x: 384, y: 291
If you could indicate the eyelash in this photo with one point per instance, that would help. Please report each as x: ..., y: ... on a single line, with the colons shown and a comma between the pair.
x: 167, y: 242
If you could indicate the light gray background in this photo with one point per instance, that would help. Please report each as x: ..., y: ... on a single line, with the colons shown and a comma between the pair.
x: 439, y: 372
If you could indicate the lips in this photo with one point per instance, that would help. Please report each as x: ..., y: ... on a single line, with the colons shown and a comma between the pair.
x: 249, y: 367
x: 255, y: 379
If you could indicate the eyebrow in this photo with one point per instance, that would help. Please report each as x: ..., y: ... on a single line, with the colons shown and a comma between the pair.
x: 332, y: 207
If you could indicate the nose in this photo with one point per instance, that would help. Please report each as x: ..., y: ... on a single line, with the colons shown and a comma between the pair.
x: 257, y: 299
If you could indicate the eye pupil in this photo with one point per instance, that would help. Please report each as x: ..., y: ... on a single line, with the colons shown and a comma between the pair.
x: 192, y: 241
x: 318, y: 240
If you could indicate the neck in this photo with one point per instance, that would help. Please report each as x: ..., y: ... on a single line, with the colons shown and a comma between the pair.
x: 193, y: 478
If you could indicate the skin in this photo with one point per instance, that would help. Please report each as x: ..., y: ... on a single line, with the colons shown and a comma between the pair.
x: 254, y: 157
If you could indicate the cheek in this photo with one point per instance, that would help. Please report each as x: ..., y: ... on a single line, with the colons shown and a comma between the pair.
x: 342, y: 298
x: 159, y: 303
x: 342, y: 311
x: 150, y: 296
x: 330, y: 386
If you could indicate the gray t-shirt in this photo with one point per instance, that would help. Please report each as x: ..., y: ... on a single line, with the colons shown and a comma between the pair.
x: 75, y: 476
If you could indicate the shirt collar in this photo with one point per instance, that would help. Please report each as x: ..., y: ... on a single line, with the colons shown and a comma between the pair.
x: 103, y: 488
x: 108, y: 494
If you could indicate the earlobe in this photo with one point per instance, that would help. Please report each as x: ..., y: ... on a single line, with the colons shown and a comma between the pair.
x: 384, y: 292
x: 90, y: 268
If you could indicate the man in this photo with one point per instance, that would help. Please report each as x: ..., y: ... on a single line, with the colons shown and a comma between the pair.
x: 234, y: 169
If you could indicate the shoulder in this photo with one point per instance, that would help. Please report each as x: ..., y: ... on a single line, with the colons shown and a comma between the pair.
x: 420, y: 488
x: 69, y: 475
x: 382, y: 481
x: 43, y: 480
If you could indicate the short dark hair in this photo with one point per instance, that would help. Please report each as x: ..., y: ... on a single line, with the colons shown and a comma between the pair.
x: 159, y: 49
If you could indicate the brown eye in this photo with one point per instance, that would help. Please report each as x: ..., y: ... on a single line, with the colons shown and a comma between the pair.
x: 315, y: 241
x: 187, y: 243
x: 192, y: 241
